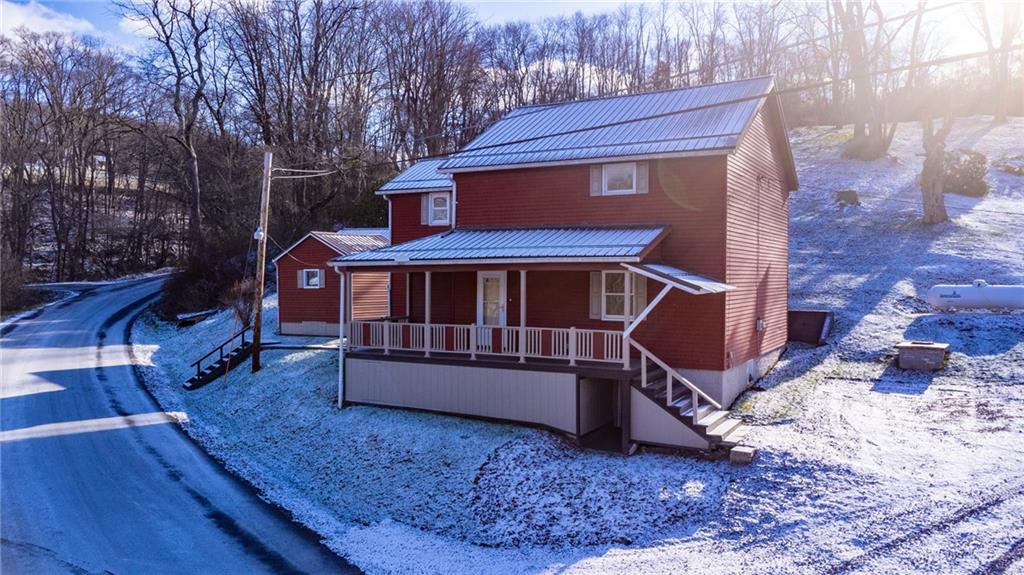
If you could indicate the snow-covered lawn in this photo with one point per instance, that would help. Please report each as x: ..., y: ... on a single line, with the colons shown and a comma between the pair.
x: 861, y: 466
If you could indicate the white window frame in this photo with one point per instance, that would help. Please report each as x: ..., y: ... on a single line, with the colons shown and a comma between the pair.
x: 604, y: 180
x: 447, y: 209
x: 634, y: 309
x: 305, y: 278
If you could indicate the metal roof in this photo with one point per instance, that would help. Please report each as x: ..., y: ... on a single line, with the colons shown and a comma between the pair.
x: 343, y: 243
x: 677, y: 278
x: 421, y: 176
x: 516, y: 244
x: 715, y: 129
x: 385, y: 232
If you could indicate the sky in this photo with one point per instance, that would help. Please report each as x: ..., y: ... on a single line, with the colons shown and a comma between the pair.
x: 100, y: 18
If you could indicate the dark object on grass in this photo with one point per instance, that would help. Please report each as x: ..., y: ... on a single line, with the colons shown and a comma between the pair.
x: 810, y: 325
x: 964, y: 173
x: 847, y: 198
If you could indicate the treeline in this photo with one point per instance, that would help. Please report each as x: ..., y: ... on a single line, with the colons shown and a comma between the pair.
x: 117, y: 162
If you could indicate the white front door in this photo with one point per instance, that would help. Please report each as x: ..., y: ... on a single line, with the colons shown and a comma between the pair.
x: 490, y: 298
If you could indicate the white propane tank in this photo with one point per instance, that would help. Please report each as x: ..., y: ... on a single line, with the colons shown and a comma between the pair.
x: 977, y: 295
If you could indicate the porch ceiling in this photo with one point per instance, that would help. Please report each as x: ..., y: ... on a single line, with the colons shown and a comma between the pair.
x: 570, y: 245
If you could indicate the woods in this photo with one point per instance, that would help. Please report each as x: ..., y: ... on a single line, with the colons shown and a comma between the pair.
x: 118, y: 162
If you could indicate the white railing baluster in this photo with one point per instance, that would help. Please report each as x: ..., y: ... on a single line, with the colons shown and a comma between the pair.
x: 572, y: 346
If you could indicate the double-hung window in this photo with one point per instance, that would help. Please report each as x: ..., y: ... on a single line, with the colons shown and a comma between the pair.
x: 618, y: 179
x: 438, y: 209
x: 613, y: 295
x: 311, y: 279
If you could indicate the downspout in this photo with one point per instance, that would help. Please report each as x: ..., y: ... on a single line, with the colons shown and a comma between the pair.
x: 455, y: 202
x: 341, y: 337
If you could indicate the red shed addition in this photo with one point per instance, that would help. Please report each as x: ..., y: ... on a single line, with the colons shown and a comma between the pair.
x: 308, y: 296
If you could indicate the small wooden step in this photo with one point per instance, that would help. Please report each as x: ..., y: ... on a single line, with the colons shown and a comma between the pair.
x: 684, y: 405
x: 741, y: 454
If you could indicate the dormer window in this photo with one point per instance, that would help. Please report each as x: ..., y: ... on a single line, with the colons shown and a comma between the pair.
x: 438, y: 209
x: 618, y: 179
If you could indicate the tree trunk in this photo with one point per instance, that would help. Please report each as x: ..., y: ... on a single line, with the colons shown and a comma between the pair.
x: 194, y: 218
x: 932, y: 198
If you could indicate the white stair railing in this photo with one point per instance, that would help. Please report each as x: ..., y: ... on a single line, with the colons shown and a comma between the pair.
x: 673, y: 375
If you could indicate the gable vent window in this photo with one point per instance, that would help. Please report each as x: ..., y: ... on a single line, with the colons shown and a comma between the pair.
x: 619, y: 179
x: 436, y: 209
x: 311, y: 279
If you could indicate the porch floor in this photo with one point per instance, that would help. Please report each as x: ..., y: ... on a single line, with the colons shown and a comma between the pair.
x: 596, y: 369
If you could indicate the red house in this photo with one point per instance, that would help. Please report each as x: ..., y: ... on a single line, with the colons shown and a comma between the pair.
x: 607, y: 266
x: 308, y: 296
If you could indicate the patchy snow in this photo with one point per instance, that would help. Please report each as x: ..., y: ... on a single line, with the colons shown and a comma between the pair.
x: 861, y: 467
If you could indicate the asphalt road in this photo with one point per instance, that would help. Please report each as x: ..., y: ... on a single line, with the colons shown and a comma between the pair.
x: 95, y: 478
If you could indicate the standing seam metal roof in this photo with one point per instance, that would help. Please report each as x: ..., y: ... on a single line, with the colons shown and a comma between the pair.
x: 717, y: 128
x: 422, y: 175
x: 350, y: 243
x: 514, y: 243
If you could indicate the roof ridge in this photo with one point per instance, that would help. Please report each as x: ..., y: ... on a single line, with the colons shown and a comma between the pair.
x: 634, y: 94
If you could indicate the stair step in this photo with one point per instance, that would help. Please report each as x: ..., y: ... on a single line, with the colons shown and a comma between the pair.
x: 722, y: 428
x: 683, y: 404
x: 735, y: 436
x: 712, y: 416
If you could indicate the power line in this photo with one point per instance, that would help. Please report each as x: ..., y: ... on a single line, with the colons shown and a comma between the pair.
x: 639, y: 89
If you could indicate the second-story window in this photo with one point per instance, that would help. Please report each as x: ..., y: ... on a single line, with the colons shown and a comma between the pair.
x: 619, y: 179
x: 438, y: 209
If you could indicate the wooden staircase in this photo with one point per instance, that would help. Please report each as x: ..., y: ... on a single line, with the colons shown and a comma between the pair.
x: 708, y: 421
x: 225, y: 362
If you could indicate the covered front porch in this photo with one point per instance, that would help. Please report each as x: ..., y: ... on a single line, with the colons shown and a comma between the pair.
x: 548, y: 333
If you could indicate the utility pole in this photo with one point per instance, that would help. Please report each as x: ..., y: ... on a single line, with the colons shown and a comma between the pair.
x: 261, y: 257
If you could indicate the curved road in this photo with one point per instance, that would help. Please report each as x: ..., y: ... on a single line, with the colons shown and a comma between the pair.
x: 94, y: 478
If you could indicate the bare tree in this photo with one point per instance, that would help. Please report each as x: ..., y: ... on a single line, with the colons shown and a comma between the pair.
x: 183, y: 29
x: 999, y: 55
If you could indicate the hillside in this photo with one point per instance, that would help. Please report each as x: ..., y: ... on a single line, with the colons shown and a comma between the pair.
x: 861, y: 467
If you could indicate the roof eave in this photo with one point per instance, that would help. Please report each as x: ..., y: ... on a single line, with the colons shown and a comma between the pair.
x: 487, y: 261
x: 664, y: 156
x: 413, y: 191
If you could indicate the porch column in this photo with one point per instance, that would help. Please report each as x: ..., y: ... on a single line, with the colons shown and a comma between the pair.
x: 522, y: 316
x: 626, y: 313
x: 342, y: 331
x: 426, y: 315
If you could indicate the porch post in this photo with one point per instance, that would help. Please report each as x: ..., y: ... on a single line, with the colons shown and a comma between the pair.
x: 522, y: 316
x: 426, y: 328
x: 342, y: 330
x: 626, y: 313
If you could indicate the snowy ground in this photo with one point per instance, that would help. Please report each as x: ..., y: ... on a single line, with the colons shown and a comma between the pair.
x: 861, y: 467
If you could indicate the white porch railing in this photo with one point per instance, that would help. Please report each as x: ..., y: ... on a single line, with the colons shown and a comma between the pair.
x: 569, y: 344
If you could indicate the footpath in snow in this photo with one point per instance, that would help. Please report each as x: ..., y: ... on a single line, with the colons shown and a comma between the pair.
x: 861, y: 468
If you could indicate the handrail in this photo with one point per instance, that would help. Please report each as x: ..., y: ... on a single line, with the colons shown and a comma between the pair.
x: 569, y: 343
x: 220, y: 347
x: 675, y: 374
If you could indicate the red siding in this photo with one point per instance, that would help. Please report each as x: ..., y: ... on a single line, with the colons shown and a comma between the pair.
x: 758, y: 242
x: 297, y: 304
x: 686, y: 193
x: 406, y: 214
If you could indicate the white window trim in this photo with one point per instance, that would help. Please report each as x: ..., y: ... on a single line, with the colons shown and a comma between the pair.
x: 305, y: 278
x: 604, y: 295
x: 604, y: 181
x: 447, y: 209
x: 634, y: 309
